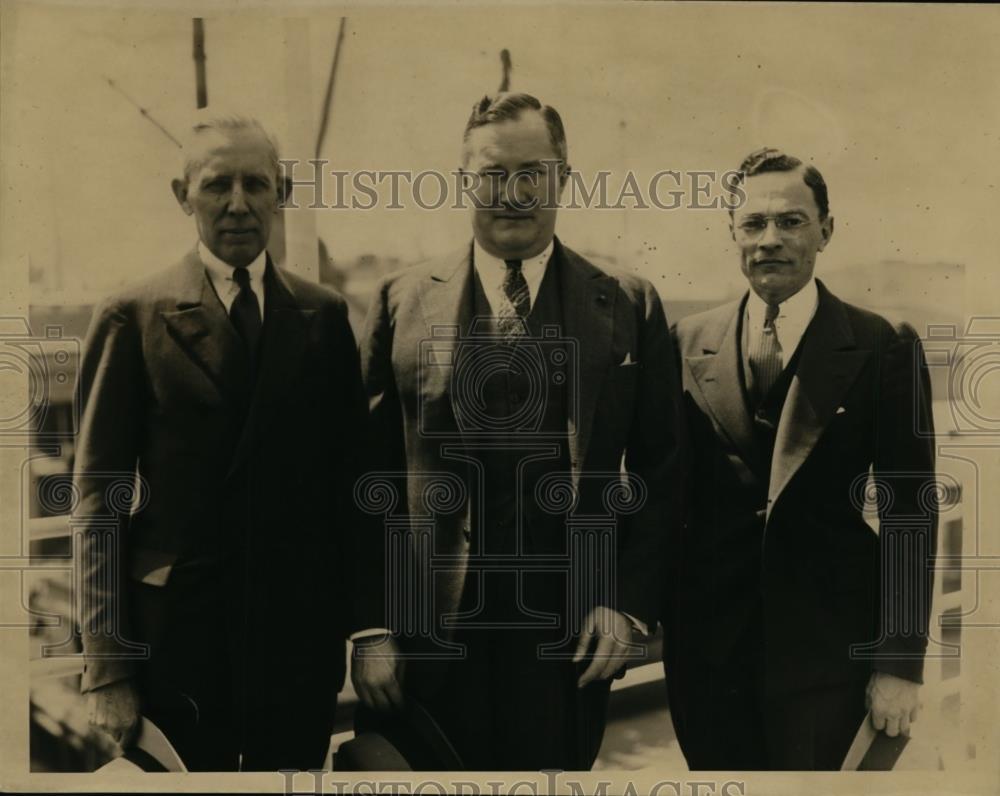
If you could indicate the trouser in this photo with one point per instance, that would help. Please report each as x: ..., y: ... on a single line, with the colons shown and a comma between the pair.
x: 730, y: 724
x: 505, y: 705
x: 506, y: 709
x: 194, y: 687
x: 212, y: 739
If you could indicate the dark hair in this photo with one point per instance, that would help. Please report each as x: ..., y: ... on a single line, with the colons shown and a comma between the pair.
x: 506, y: 106
x: 768, y: 159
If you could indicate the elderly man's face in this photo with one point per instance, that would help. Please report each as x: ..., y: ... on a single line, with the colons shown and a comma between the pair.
x: 233, y: 196
x: 519, y: 185
x: 779, y: 233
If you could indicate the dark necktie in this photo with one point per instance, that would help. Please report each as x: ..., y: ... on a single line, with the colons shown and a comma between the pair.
x: 765, y: 355
x: 245, y: 312
x: 517, y: 301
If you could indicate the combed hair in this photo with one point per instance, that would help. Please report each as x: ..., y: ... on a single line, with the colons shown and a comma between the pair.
x: 228, y: 124
x: 508, y: 106
x: 770, y: 159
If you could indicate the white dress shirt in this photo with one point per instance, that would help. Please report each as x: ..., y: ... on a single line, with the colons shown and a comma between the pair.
x: 492, y: 270
x: 794, y: 315
x: 220, y: 274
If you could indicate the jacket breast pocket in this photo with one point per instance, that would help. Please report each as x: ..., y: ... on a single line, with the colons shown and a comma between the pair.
x: 623, y: 378
x: 619, y: 395
x: 152, y: 567
x: 850, y: 431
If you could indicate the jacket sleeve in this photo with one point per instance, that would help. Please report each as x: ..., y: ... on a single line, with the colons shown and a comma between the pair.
x: 363, y: 532
x: 653, y: 455
x: 111, y: 385
x: 904, y: 469
x: 384, y: 446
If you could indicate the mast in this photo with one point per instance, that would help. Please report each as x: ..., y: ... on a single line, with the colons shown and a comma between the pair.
x: 201, y: 86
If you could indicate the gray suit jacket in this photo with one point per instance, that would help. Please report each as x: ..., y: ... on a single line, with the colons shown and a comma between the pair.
x: 625, y: 408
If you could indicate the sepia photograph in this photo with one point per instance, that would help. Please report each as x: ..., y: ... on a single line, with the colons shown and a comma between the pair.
x: 497, y: 398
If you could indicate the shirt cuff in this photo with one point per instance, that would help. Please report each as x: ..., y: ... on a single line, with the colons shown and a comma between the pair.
x: 368, y: 632
x: 638, y: 625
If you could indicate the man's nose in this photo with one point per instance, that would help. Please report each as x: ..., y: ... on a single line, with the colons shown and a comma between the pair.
x: 237, y: 199
x: 770, y: 239
x: 521, y: 192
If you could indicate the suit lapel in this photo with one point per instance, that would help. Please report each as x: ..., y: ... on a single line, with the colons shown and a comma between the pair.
x: 718, y: 374
x: 202, y: 328
x: 446, y: 304
x: 829, y: 364
x: 283, y: 341
x: 588, y: 307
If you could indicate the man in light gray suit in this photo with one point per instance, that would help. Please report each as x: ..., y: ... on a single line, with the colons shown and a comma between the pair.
x: 448, y: 356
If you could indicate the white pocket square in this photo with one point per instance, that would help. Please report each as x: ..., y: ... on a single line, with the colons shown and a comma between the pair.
x: 627, y: 361
x: 840, y: 410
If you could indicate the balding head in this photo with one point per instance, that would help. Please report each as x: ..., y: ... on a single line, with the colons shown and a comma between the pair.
x: 207, y: 133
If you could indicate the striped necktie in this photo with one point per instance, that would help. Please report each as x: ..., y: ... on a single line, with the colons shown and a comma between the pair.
x: 765, y: 356
x: 516, y: 303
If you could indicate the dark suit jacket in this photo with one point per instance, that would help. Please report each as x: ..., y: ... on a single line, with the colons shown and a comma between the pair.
x: 627, y: 406
x: 796, y: 535
x: 244, y: 537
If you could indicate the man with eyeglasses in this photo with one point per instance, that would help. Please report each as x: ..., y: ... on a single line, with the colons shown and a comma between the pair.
x: 790, y: 616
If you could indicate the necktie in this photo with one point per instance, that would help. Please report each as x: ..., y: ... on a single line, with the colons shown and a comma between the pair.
x: 516, y: 302
x: 765, y: 356
x: 245, y: 312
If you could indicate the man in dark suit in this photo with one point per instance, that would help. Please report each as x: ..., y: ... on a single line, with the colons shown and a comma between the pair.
x: 217, y: 604
x: 515, y: 375
x: 788, y: 608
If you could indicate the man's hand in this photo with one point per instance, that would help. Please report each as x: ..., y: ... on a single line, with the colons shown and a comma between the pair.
x: 893, y: 702
x: 613, y: 633
x: 376, y: 672
x: 114, y: 708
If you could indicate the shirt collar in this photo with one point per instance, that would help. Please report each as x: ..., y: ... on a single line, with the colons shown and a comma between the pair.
x: 488, y: 264
x: 798, y: 308
x: 220, y: 269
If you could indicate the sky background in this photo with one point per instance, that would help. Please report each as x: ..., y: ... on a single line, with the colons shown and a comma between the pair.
x: 898, y: 106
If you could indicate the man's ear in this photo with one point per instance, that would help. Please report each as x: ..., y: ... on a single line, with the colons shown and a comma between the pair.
x: 284, y: 190
x: 564, y: 170
x: 180, y: 189
x: 826, y: 230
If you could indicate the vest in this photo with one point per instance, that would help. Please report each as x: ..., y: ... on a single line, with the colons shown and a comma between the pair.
x: 522, y: 397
